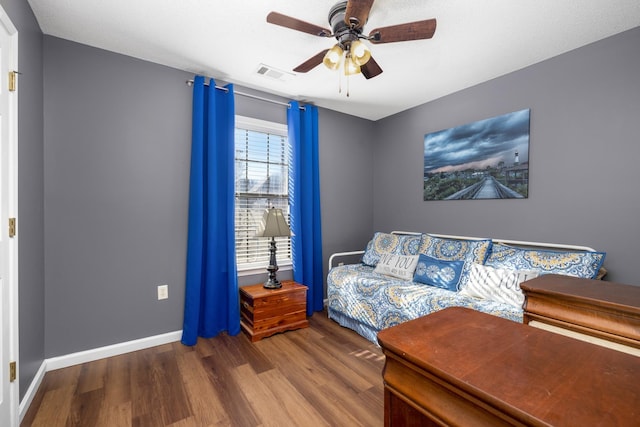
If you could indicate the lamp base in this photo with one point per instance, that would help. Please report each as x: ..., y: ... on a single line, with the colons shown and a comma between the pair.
x: 272, y: 284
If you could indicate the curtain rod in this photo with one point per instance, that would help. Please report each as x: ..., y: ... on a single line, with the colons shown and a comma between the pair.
x: 248, y: 95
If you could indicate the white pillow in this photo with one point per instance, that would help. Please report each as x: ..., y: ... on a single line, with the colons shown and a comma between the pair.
x: 497, y: 284
x: 399, y: 266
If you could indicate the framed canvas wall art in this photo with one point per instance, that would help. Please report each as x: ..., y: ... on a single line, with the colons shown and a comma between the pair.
x: 487, y: 159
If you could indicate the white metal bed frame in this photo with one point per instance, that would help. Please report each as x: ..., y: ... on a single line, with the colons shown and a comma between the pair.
x: 518, y: 243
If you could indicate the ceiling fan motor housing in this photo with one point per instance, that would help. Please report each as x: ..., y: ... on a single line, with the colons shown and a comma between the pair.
x: 344, y: 33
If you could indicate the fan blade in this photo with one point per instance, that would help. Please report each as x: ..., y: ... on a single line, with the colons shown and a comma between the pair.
x: 370, y: 69
x: 311, y: 63
x: 296, y: 24
x: 404, y: 32
x: 357, y: 12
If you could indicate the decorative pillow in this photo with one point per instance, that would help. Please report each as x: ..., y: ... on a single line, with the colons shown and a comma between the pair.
x: 438, y: 272
x: 470, y: 251
x: 570, y: 263
x: 386, y: 243
x: 454, y: 249
x: 400, y: 266
x: 497, y: 284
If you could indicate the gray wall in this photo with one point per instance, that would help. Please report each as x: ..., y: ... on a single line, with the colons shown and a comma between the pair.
x: 30, y: 189
x: 117, y: 151
x: 346, y: 190
x: 583, y: 186
x: 117, y: 146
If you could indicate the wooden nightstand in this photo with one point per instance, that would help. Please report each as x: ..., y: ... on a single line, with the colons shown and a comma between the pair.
x: 265, y: 312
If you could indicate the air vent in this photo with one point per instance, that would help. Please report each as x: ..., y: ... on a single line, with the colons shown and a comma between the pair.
x: 274, y: 73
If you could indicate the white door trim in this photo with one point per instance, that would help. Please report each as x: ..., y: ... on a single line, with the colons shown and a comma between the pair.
x: 11, y: 211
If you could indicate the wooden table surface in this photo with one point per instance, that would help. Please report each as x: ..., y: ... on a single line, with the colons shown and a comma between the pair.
x: 523, y: 374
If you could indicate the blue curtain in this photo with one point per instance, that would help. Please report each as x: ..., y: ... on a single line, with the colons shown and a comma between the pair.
x: 211, y: 300
x: 304, y: 201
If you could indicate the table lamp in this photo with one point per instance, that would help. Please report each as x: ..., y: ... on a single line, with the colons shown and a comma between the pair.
x: 273, y: 225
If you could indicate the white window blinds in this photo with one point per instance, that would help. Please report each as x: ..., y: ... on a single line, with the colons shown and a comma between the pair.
x: 261, y: 181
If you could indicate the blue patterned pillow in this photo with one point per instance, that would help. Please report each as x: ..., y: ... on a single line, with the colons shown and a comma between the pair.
x: 386, y: 243
x: 455, y: 250
x: 470, y: 251
x: 438, y: 272
x: 570, y: 263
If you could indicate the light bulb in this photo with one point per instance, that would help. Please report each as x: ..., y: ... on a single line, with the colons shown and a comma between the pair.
x: 350, y: 67
x: 359, y: 52
x: 333, y: 57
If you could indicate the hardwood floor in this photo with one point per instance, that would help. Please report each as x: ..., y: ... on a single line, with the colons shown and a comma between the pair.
x: 324, y: 375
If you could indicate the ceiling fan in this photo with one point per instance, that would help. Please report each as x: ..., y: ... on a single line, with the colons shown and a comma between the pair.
x: 347, y: 19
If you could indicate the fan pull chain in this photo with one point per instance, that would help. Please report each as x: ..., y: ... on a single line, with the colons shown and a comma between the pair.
x: 347, y: 86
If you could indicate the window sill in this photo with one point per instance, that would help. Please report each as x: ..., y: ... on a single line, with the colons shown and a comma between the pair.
x: 254, y: 271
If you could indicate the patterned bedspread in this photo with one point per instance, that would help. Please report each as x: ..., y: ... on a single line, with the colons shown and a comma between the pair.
x: 368, y: 302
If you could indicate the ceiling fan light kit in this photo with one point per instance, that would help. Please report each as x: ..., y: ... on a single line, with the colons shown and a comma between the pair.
x: 347, y: 19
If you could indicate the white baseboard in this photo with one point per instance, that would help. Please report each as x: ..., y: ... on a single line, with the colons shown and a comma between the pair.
x: 31, y: 391
x: 67, y: 360
x: 110, y: 350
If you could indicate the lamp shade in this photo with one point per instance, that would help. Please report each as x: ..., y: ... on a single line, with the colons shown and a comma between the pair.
x: 273, y: 224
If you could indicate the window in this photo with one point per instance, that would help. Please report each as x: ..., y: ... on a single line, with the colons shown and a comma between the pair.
x: 262, y: 181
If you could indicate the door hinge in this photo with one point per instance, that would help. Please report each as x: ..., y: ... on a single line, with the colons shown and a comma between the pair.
x: 13, y: 81
x: 12, y: 371
x: 12, y: 227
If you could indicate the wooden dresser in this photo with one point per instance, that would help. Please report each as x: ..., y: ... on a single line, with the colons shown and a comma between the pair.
x: 265, y: 312
x: 604, y: 313
x: 461, y: 367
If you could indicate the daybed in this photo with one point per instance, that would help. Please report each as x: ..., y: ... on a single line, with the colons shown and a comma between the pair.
x: 403, y: 276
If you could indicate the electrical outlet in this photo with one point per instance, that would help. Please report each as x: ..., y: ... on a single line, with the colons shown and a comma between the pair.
x: 163, y: 292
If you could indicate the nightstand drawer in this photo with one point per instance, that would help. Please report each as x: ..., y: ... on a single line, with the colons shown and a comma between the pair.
x: 265, y: 312
x: 264, y: 308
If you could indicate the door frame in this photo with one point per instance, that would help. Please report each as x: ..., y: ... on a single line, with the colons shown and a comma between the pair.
x: 12, y: 212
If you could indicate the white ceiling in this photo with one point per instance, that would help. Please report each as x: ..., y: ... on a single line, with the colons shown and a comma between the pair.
x: 228, y: 39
